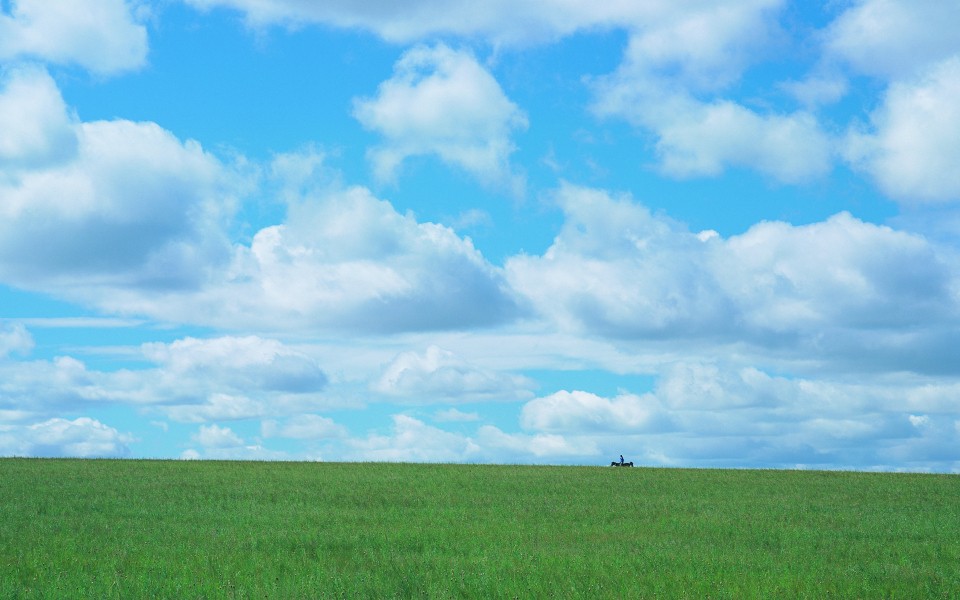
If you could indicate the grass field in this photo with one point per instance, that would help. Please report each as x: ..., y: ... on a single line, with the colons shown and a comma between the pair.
x: 138, y: 529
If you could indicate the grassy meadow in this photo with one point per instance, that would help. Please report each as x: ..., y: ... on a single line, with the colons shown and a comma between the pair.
x: 177, y: 529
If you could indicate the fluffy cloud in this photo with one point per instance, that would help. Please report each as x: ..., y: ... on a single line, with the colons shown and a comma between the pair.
x: 501, y: 21
x: 835, y: 288
x: 133, y: 221
x: 894, y: 38
x: 37, y: 129
x: 222, y: 443
x: 911, y: 149
x: 452, y: 415
x: 411, y: 439
x: 230, y: 378
x: 719, y: 415
x: 706, y: 139
x: 438, y: 374
x: 700, y: 45
x: 101, y: 35
x: 14, y: 338
x: 214, y: 436
x: 699, y: 51
x: 194, y: 381
x: 82, y: 438
x: 442, y: 102
x: 68, y: 222
x: 303, y: 427
x: 616, y: 269
x: 346, y: 260
x: 247, y: 363
x: 583, y: 412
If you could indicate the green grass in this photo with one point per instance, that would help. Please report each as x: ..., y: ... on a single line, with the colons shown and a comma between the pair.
x: 138, y: 529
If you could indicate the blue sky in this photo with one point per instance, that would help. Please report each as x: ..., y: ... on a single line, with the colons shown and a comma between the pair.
x: 691, y: 233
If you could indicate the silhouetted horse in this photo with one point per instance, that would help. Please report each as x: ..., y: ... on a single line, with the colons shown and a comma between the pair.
x: 619, y: 464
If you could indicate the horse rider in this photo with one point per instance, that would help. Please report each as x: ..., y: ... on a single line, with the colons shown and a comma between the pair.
x: 621, y: 460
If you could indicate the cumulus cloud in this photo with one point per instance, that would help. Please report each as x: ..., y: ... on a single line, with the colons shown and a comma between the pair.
x: 452, y: 415
x: 222, y: 443
x: 501, y: 21
x: 230, y: 378
x: 191, y: 380
x: 245, y: 363
x: 686, y: 53
x: 833, y: 288
x: 411, y: 439
x: 347, y: 260
x: 104, y: 36
x: 38, y: 389
x: 37, y: 128
x: 303, y: 427
x: 719, y: 414
x: 69, y: 223
x: 214, y: 436
x: 583, y: 412
x: 442, y: 102
x: 894, y: 38
x: 705, y: 138
x: 134, y: 221
x: 82, y: 438
x: 14, y: 338
x: 439, y: 374
x: 618, y: 270
x: 910, y: 147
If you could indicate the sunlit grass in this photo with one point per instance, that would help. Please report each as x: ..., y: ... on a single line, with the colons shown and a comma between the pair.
x: 128, y: 529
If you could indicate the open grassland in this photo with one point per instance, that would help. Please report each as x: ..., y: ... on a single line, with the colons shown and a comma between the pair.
x: 138, y: 529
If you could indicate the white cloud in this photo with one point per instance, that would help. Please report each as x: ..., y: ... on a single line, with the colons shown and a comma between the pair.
x: 68, y: 223
x: 817, y: 89
x: 347, y: 260
x: 583, y: 412
x: 697, y: 138
x: 247, y: 363
x: 452, y: 415
x: 214, y: 436
x: 834, y: 288
x: 911, y: 149
x: 101, y: 35
x: 36, y: 127
x: 412, y: 440
x: 894, y: 38
x: 303, y: 427
x: 706, y: 139
x: 501, y: 21
x: 14, y: 338
x: 499, y: 446
x: 134, y: 222
x: 721, y: 415
x: 193, y: 381
x: 82, y: 437
x: 439, y: 374
x: 669, y: 81
x: 701, y: 45
x: 443, y: 102
x: 215, y: 407
x: 616, y: 269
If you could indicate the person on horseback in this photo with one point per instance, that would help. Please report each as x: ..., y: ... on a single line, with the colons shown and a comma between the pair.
x: 621, y: 460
